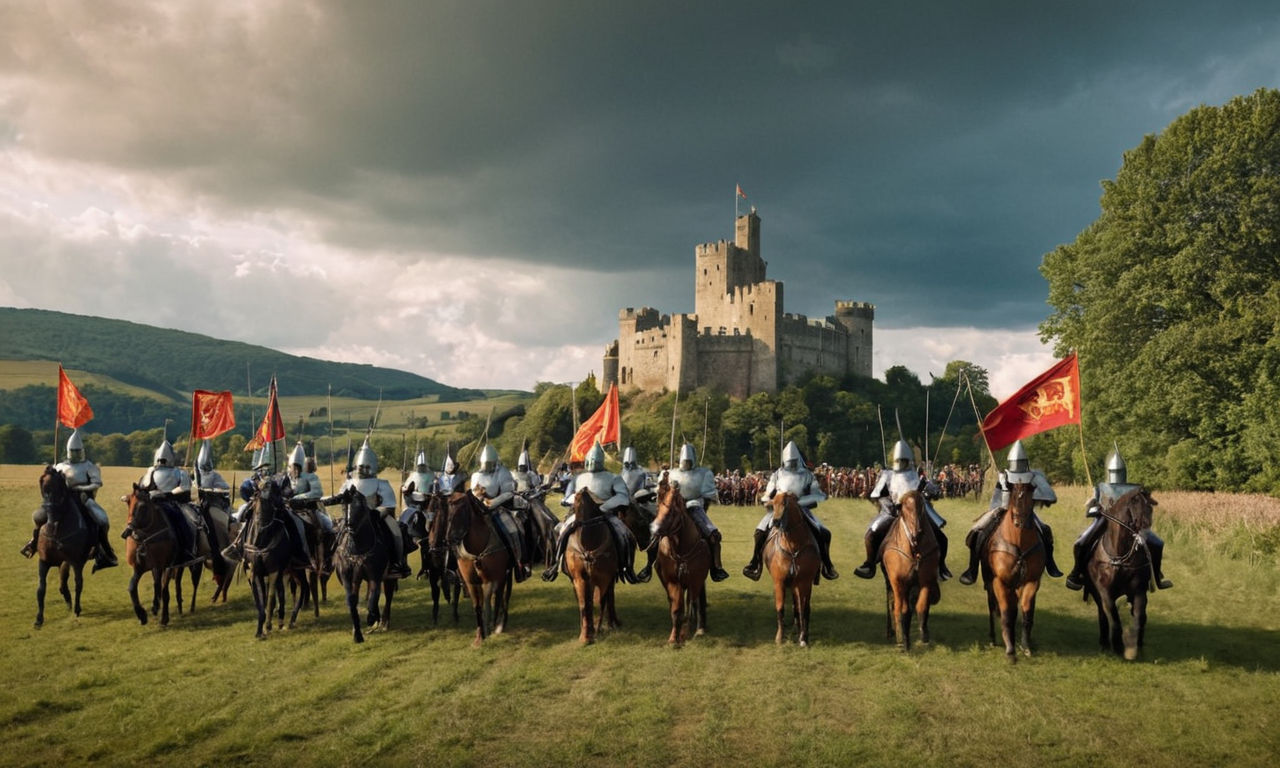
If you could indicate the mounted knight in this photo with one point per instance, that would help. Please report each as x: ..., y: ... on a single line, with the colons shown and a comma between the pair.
x: 793, y: 477
x: 494, y: 486
x: 83, y: 480
x: 378, y: 494
x: 887, y: 494
x: 609, y: 492
x: 170, y: 485
x: 698, y: 489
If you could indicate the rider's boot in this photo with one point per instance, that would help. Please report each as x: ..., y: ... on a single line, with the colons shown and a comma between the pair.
x: 1156, y: 547
x: 975, y: 540
x: 1076, y: 579
x: 944, y: 573
x: 824, y: 548
x: 868, y: 568
x: 29, y: 548
x: 646, y: 572
x: 718, y: 573
x: 553, y: 570
x: 753, y: 568
x: 1046, y: 535
x: 104, y: 557
x: 626, y: 561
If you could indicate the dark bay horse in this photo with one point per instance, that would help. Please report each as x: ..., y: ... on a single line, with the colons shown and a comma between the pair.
x: 1120, y: 566
x: 1011, y: 569
x: 65, y: 541
x: 361, y: 554
x: 151, y: 546
x: 591, y: 558
x: 909, y: 562
x: 439, y: 564
x: 792, y: 557
x: 268, y: 554
x: 483, y: 563
x: 683, y: 562
x: 214, y: 507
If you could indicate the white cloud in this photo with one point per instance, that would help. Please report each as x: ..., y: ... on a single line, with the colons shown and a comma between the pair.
x: 1011, y: 357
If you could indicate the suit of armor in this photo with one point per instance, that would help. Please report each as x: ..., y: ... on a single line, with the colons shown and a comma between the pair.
x: 171, y: 486
x: 887, y: 494
x: 83, y: 480
x: 796, y: 479
x: 494, y: 485
x: 698, y: 489
x: 611, y: 495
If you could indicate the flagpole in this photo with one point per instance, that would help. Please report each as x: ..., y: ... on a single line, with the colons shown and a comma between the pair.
x: 328, y: 409
x: 981, y: 431
x: 57, y: 401
x: 1083, y: 454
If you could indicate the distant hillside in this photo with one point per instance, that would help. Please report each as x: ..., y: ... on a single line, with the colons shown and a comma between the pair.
x: 175, y: 362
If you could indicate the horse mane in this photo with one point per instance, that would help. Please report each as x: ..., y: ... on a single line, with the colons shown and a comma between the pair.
x: 1130, y: 498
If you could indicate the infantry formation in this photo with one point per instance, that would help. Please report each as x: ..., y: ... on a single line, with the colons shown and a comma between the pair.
x: 203, y: 529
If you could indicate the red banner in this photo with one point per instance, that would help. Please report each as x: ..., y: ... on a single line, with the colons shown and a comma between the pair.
x: 211, y: 413
x: 1050, y: 400
x: 73, y: 409
x: 272, y: 427
x: 603, y: 426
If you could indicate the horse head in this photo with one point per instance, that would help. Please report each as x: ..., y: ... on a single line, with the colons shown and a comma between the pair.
x: 1133, y: 510
x: 585, y: 507
x: 53, y: 485
x: 1021, y: 504
x: 142, y: 510
x: 786, y: 510
x: 458, y: 520
x: 671, y: 510
x: 910, y: 508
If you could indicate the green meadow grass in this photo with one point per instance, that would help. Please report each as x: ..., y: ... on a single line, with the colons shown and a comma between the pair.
x: 204, y: 692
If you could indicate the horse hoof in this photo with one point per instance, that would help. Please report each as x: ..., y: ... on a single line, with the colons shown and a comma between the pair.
x: 142, y: 617
x: 358, y: 638
x: 39, y: 623
x: 700, y: 632
x: 804, y: 643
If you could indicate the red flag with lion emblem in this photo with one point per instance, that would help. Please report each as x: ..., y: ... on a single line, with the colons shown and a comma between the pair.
x: 1050, y: 400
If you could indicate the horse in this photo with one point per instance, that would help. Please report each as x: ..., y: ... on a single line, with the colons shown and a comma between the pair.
x: 361, y: 554
x: 151, y: 546
x: 438, y: 563
x: 591, y: 559
x: 683, y: 562
x: 909, y: 562
x: 483, y: 562
x: 1012, y: 565
x: 792, y: 557
x: 65, y: 541
x: 268, y: 554
x: 222, y: 530
x: 1120, y: 566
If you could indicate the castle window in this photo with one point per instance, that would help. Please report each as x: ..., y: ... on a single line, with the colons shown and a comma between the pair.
x: 751, y: 309
x: 704, y: 271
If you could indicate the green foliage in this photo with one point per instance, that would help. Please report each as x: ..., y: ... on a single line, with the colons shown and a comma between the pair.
x: 16, y: 445
x: 1172, y: 299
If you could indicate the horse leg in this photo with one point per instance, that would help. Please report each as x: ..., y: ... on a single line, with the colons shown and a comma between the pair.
x: 388, y: 592
x: 372, y: 615
x: 433, y: 579
x: 456, y: 600
x: 1116, y: 629
x: 675, y: 601
x: 901, y: 630
x: 64, y: 572
x: 1028, y: 614
x: 43, y: 571
x: 138, y: 610
x: 800, y: 596
x: 504, y: 606
x: 79, y: 574
x: 197, y: 571
x: 889, y: 622
x: 161, y: 576
x: 922, y: 611
x: 280, y: 598
x: 177, y: 587
x: 993, y: 612
x: 1007, y: 600
x: 1139, y: 610
x: 780, y: 606
x: 300, y: 600
x: 352, y: 587
x: 478, y: 600
x: 582, y: 588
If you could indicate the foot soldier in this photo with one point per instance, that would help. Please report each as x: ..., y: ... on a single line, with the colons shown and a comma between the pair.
x: 796, y: 479
x: 610, y: 494
x: 170, y: 485
x: 889, y: 488
x: 495, y: 487
x: 640, y: 486
x: 1105, y: 495
x: 1019, y: 471
x: 698, y: 487
x: 83, y: 480
x: 378, y: 495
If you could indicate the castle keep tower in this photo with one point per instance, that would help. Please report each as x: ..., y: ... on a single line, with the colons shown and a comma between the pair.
x: 738, y: 338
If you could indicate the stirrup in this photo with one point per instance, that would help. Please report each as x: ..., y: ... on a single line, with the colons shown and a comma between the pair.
x: 1163, y: 583
x: 551, y: 572
x: 719, y: 574
x: 643, y: 575
x: 969, y: 576
x: 829, y: 573
x: 1052, y: 570
x: 28, y: 549
x: 752, y: 570
x: 865, y: 571
x: 944, y: 573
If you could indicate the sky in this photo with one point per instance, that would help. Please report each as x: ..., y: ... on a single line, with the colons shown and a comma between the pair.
x: 472, y: 190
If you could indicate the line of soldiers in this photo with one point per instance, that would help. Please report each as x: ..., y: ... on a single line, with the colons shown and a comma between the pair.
x: 519, y: 518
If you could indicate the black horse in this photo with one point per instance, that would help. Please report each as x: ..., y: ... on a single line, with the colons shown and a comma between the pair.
x: 439, y: 564
x: 1120, y: 566
x: 268, y: 553
x: 64, y: 540
x: 362, y: 552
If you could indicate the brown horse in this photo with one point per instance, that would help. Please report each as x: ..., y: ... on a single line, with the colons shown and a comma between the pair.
x: 1120, y: 566
x: 909, y: 562
x: 683, y: 562
x: 65, y: 540
x: 483, y: 562
x: 1011, y: 569
x: 151, y: 546
x: 792, y: 557
x: 591, y: 558
x: 438, y: 564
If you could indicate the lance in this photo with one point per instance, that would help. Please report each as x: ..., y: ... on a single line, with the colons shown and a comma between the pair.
x: 671, y: 449
x: 328, y: 408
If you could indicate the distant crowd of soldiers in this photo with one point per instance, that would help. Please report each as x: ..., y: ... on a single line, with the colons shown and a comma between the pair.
x: 951, y: 481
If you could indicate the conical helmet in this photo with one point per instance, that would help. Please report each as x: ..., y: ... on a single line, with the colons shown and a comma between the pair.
x: 421, y: 461
x: 488, y: 459
x: 267, y: 459
x: 522, y: 463
x: 688, y: 457
x: 1018, y: 461
x: 366, y: 460
x: 1117, y: 473
x: 298, y: 456
x: 257, y: 458
x: 165, y: 454
x: 204, y: 459
x: 791, y: 456
x: 75, y: 447
x: 594, y: 460
x: 449, y: 466
x: 629, y: 457
x: 902, y: 456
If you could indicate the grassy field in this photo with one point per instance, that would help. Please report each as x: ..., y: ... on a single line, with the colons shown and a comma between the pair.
x: 15, y: 374
x: 204, y: 692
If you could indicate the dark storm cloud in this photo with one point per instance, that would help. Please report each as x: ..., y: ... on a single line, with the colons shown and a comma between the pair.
x: 923, y: 156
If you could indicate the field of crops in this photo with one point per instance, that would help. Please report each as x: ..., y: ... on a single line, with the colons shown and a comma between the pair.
x: 204, y: 692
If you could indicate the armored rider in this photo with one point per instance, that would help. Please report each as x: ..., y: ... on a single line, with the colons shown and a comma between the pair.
x: 493, y: 484
x: 529, y: 494
x: 887, y: 495
x: 171, y: 486
x: 450, y: 479
x: 413, y: 494
x: 378, y: 494
x: 213, y: 487
x: 307, y: 488
x: 793, y: 477
x: 610, y: 494
x: 1019, y: 471
x: 1104, y: 496
x: 640, y: 485
x: 260, y: 467
x: 83, y: 480
x: 698, y: 487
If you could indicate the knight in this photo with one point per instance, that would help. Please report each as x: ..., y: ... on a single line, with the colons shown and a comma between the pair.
x: 793, y: 477
x: 640, y: 485
x: 83, y: 480
x: 415, y: 489
x: 530, y: 491
x: 170, y: 485
x: 1104, y: 496
x: 1019, y: 471
x: 887, y: 495
x: 307, y: 488
x: 450, y: 478
x: 493, y: 484
x: 378, y: 494
x: 212, y: 486
x: 698, y: 488
x: 610, y: 494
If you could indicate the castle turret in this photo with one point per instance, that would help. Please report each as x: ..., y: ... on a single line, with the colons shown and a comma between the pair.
x: 857, y: 318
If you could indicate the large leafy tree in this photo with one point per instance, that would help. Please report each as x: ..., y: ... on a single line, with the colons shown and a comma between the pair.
x: 1172, y: 299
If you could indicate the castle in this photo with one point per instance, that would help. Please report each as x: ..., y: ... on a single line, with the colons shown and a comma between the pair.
x: 737, y: 338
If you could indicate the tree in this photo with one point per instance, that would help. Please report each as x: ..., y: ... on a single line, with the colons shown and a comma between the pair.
x: 1172, y: 300
x: 16, y: 445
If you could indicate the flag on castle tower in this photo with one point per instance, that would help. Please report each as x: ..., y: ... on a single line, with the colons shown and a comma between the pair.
x: 741, y: 194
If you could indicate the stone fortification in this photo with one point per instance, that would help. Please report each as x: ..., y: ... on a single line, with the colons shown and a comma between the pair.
x: 738, y: 338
